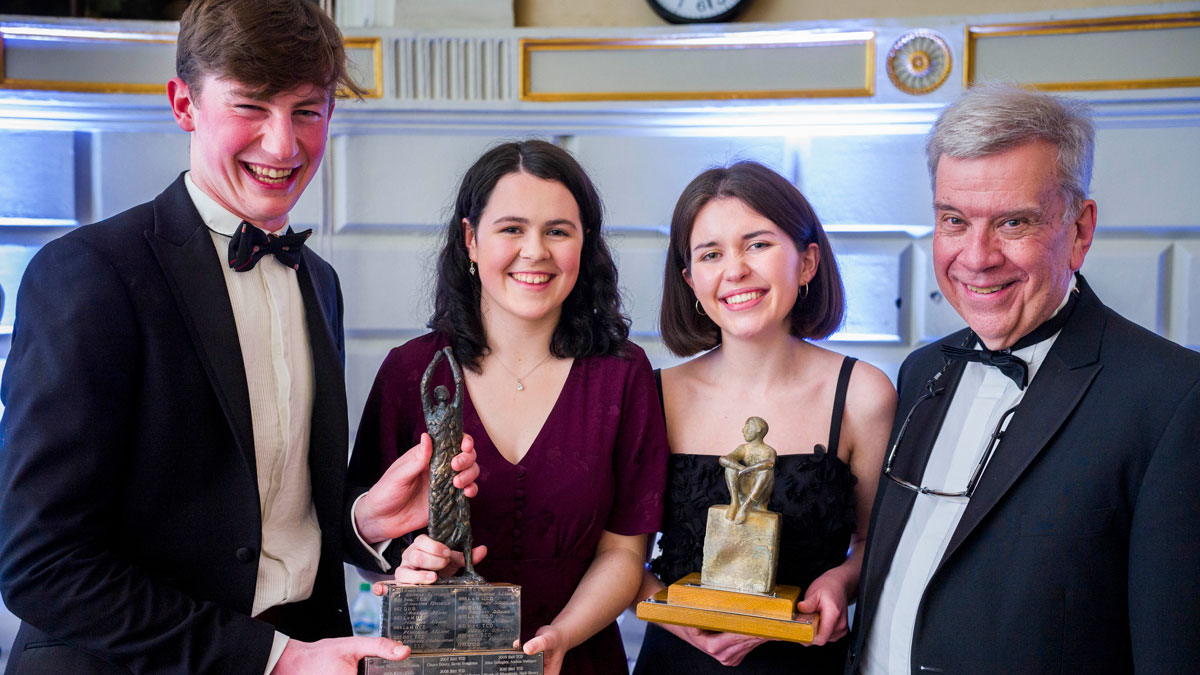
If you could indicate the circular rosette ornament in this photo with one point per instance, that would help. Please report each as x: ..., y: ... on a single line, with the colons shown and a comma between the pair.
x: 918, y: 62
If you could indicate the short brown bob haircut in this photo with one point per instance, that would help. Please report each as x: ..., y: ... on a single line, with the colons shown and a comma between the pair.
x: 271, y: 46
x: 684, y: 330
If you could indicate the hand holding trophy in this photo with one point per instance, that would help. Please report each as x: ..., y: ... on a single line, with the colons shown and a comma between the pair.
x: 461, y: 623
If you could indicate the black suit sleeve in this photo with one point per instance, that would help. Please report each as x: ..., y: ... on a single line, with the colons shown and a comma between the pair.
x: 1164, y: 549
x: 71, y: 387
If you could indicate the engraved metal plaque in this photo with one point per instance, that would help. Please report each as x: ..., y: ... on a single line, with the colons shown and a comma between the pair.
x: 459, y: 663
x: 452, y: 618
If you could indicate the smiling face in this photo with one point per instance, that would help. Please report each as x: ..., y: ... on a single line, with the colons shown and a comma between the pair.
x: 1002, y: 254
x: 745, y: 271
x: 253, y: 155
x: 527, y: 246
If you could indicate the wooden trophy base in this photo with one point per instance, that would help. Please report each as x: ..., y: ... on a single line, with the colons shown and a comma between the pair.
x: 687, y: 603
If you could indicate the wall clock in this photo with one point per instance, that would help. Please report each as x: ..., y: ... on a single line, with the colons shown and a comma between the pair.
x: 698, y: 11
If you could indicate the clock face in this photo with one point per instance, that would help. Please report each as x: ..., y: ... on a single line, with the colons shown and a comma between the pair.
x: 698, y: 11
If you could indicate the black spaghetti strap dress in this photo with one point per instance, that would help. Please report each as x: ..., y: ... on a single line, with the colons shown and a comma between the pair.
x: 815, y: 494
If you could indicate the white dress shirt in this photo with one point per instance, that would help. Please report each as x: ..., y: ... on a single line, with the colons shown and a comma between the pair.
x: 269, y: 313
x: 983, y: 394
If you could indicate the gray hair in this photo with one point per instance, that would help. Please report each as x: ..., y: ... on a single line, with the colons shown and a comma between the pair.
x: 993, y: 118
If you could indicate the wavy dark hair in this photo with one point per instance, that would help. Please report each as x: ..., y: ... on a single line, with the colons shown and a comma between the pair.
x: 684, y: 330
x: 591, y: 323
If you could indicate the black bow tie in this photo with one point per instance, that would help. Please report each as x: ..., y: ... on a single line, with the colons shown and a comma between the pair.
x: 1004, y: 359
x: 249, y: 244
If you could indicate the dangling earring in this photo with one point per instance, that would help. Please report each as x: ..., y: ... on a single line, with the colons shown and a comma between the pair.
x: 471, y: 268
x: 804, y: 291
x: 699, y: 309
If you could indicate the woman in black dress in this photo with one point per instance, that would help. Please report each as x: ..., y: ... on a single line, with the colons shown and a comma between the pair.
x: 750, y: 279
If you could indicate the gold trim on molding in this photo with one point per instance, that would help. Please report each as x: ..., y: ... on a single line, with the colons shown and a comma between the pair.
x: 375, y: 44
x: 529, y: 45
x: 1078, y: 26
x: 75, y: 35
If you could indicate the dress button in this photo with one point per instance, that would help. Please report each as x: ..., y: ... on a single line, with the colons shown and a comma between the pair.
x: 516, y: 532
x: 244, y: 554
x: 519, y: 493
x: 517, y: 551
x: 517, y: 514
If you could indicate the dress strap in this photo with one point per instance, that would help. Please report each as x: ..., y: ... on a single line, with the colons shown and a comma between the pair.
x: 658, y: 383
x: 839, y: 404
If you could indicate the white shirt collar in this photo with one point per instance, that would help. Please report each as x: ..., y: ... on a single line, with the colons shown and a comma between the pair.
x: 215, y: 216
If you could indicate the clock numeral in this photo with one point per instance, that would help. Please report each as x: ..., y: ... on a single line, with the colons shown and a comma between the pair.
x: 704, y: 5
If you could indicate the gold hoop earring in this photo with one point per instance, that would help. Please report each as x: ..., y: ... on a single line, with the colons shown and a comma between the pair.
x: 471, y: 268
x: 699, y: 309
x: 804, y: 291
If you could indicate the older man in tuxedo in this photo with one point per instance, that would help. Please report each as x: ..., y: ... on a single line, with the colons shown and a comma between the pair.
x: 173, y: 452
x: 1041, y: 493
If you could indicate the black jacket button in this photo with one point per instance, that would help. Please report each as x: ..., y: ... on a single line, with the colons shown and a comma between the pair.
x: 244, y: 554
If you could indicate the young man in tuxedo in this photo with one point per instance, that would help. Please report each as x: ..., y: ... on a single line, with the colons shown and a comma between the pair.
x: 174, y: 443
x: 1040, y: 496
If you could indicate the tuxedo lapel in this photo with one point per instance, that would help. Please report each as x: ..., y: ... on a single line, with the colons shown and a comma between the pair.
x: 1060, y: 384
x: 329, y: 431
x: 184, y: 250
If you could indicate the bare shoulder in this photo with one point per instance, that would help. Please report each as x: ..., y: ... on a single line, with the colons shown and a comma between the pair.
x: 870, y: 389
x: 870, y: 408
x: 687, y: 376
x: 868, y: 385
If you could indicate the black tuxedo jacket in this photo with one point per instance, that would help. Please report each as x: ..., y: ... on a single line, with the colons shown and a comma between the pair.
x: 1080, y: 549
x: 129, y: 520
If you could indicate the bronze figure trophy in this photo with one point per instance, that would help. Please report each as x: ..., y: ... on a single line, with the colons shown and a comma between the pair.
x: 461, y: 624
x: 735, y: 590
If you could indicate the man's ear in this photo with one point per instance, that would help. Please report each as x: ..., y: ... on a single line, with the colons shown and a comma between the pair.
x: 1085, y: 229
x: 182, y: 104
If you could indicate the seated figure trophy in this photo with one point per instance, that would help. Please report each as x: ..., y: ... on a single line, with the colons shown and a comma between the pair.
x: 735, y: 590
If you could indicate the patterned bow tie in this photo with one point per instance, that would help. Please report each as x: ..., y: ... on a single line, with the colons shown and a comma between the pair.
x: 249, y: 244
x: 1004, y: 359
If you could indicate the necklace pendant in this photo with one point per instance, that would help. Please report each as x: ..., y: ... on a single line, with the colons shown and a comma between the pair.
x: 520, y: 387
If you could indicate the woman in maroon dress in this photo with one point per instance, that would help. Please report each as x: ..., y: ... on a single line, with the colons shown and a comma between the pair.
x: 563, y: 408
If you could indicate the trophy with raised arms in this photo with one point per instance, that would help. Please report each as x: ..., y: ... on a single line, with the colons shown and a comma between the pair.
x: 460, y: 625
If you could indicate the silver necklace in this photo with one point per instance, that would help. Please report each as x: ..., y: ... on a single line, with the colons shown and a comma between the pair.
x: 520, y: 386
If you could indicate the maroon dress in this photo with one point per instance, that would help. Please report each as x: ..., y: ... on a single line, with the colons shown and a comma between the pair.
x: 598, y: 463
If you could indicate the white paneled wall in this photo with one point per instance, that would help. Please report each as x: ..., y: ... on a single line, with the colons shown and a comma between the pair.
x: 383, y: 197
x: 129, y: 167
x: 876, y: 179
x: 384, y: 194
x: 1145, y: 171
x: 641, y: 176
x: 399, y: 180
x: 38, y: 169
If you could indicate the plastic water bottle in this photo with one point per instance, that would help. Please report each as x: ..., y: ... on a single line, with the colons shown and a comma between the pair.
x: 364, y: 612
